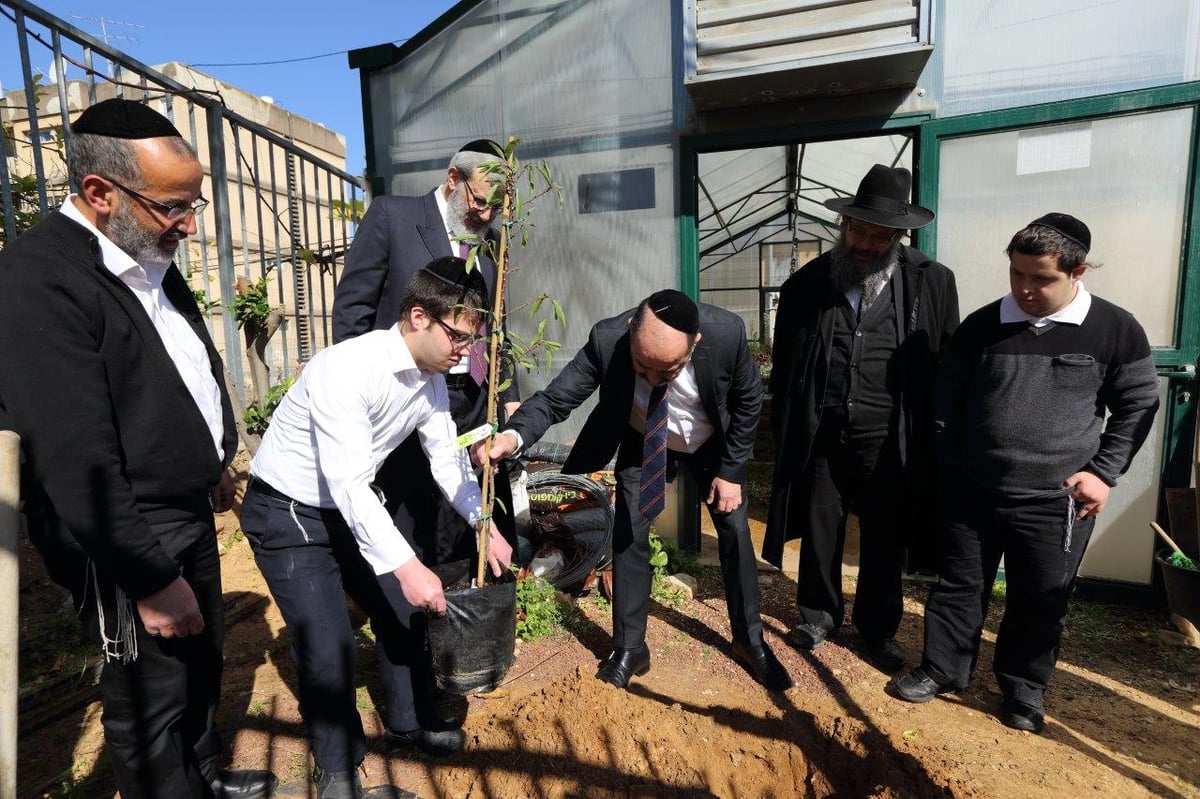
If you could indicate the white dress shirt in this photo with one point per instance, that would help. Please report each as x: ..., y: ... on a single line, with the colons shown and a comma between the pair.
x: 353, y: 404
x: 1073, y: 314
x: 688, y: 426
x: 184, y: 347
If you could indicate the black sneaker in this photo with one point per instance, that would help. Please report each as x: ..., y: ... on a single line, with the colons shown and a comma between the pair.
x: 1022, y: 716
x: 918, y: 686
x: 807, y: 637
x: 431, y: 742
x: 885, y: 654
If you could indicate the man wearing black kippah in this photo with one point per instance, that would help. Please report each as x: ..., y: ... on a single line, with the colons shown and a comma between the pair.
x: 108, y: 374
x: 320, y: 530
x: 677, y: 386
x: 396, y: 238
x: 1028, y: 458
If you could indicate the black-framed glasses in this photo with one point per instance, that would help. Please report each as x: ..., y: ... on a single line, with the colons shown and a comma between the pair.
x: 458, y: 339
x: 172, y: 211
x: 878, y: 239
x: 477, y: 202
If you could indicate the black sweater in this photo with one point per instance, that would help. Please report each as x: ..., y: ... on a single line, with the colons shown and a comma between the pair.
x: 1020, y: 409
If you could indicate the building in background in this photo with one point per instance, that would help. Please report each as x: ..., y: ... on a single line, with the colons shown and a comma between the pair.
x: 695, y: 143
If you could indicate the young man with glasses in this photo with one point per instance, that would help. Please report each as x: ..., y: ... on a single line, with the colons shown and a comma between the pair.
x: 858, y: 334
x: 108, y: 374
x: 320, y: 529
x: 396, y: 238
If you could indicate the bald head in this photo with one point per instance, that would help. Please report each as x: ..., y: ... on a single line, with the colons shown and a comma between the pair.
x: 659, y: 350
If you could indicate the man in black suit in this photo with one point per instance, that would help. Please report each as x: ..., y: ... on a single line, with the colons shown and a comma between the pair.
x: 108, y: 374
x: 677, y: 385
x: 397, y: 237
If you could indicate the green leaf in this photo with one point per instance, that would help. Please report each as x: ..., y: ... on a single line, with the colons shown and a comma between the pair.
x: 536, y: 305
x: 559, y: 316
x: 504, y: 386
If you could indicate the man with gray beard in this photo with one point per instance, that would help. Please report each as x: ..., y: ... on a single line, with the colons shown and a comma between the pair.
x: 858, y: 333
x: 109, y: 375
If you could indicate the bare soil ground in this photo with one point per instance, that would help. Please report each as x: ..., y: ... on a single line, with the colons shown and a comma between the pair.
x: 1123, y: 712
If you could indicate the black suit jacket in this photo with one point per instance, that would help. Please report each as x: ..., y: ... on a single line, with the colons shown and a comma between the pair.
x: 110, y: 434
x: 730, y: 391
x: 397, y: 237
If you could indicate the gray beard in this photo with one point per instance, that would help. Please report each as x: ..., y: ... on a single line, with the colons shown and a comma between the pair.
x: 846, y: 273
x: 143, y: 246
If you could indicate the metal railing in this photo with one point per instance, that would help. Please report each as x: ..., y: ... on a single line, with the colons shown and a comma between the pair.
x: 280, y: 210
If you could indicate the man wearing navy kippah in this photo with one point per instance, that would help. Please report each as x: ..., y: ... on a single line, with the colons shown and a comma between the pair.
x: 1028, y: 459
x: 677, y: 386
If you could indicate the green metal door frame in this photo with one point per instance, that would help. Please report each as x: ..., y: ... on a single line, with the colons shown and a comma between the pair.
x: 1176, y: 363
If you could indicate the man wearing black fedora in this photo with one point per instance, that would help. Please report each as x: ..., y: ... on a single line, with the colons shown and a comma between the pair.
x: 858, y: 334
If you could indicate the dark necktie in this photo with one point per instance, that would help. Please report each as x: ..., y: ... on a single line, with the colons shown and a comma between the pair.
x: 477, y: 354
x: 652, y: 492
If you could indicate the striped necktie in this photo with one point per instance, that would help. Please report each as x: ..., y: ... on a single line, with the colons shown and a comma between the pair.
x: 652, y: 491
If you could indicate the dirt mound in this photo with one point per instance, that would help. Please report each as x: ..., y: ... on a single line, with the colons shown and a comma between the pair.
x: 579, y: 737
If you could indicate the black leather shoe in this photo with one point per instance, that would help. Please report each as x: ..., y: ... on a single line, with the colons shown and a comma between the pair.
x: 623, y: 664
x: 1022, y: 716
x: 918, y: 686
x: 241, y: 784
x: 762, y: 663
x: 807, y: 637
x: 886, y: 654
x: 431, y: 742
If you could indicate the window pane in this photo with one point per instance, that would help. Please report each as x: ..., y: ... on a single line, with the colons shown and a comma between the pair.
x: 1126, y: 177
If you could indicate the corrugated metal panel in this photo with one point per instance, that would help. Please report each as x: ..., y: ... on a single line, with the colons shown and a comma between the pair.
x: 733, y: 41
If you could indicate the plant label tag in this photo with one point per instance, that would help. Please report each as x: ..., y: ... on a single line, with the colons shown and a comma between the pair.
x: 476, y: 435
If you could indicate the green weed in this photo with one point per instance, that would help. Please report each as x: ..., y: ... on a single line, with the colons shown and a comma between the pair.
x: 538, y: 611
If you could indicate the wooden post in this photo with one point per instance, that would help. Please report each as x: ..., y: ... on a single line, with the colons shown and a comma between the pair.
x: 10, y: 493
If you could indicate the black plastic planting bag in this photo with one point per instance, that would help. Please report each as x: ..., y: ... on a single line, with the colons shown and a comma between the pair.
x: 472, y: 644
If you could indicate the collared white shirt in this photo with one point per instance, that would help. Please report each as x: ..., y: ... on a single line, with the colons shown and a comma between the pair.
x: 184, y: 347
x: 1073, y: 314
x: 688, y: 426
x: 464, y: 364
x: 353, y: 404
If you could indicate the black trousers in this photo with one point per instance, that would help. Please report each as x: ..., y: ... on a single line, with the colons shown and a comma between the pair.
x: 861, y: 474
x: 311, y: 561
x: 1041, y: 560
x: 160, y: 710
x: 632, y: 573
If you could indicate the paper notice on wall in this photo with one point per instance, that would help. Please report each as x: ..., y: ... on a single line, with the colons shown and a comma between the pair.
x: 1054, y: 149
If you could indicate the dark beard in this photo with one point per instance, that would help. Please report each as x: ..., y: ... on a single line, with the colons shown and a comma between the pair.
x: 845, y: 272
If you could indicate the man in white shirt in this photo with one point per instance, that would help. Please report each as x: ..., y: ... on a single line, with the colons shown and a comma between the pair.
x: 108, y: 374
x: 320, y: 530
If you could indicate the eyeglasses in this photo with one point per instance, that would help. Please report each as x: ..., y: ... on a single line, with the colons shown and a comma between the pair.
x: 878, y: 239
x: 477, y: 202
x: 172, y: 211
x: 458, y: 339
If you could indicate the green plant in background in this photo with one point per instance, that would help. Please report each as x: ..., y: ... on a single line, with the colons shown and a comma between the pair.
x: 760, y: 351
x: 1182, y: 561
x: 660, y: 562
x: 251, y: 305
x: 205, y: 305
x: 538, y: 611
x: 259, y: 416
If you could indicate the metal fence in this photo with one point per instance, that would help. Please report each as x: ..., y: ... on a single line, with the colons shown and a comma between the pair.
x: 280, y: 210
